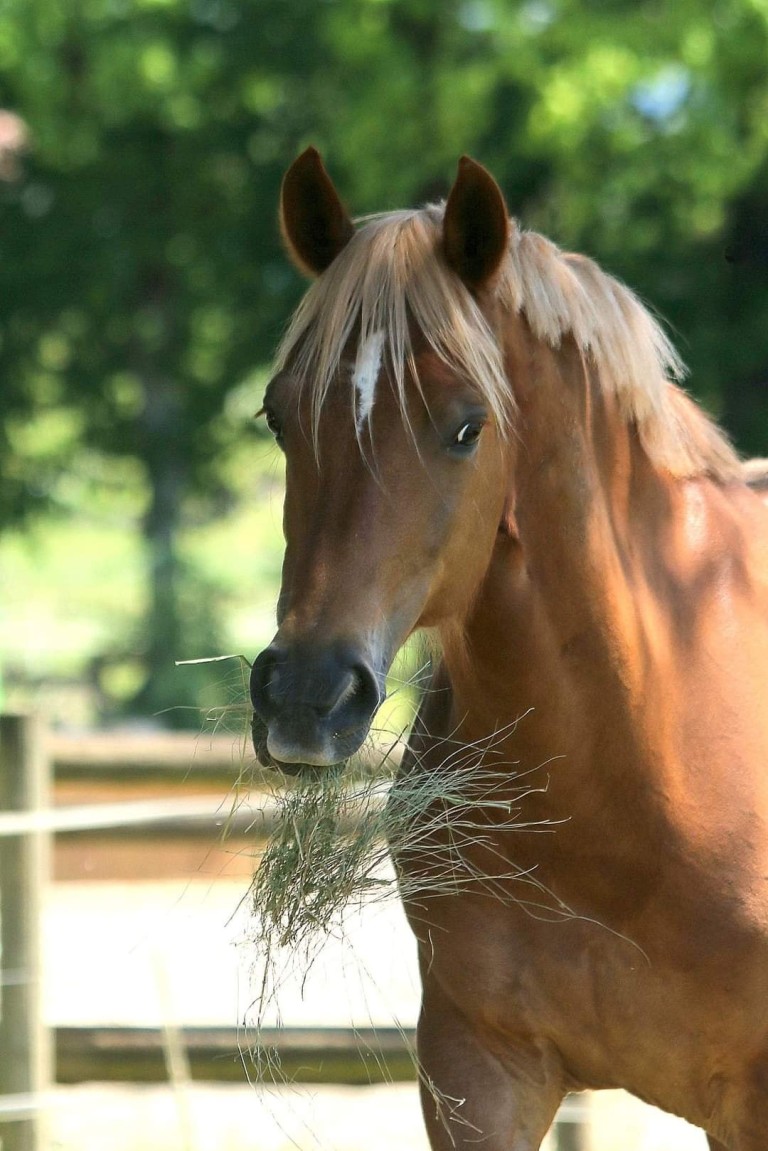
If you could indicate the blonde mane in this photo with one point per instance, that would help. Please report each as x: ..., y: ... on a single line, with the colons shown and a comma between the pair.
x: 390, y: 273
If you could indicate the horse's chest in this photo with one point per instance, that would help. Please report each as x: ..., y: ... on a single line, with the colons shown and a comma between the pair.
x: 509, y: 971
x: 615, y: 1017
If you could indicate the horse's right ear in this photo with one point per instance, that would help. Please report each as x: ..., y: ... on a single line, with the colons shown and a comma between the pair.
x: 475, y: 226
x: 314, y: 222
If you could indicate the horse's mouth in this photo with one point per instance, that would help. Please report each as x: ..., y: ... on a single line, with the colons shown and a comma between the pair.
x: 307, y: 771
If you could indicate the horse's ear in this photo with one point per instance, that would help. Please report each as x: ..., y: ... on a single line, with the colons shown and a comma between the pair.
x: 475, y: 226
x: 313, y: 220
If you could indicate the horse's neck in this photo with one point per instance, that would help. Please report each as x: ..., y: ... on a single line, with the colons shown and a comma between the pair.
x: 624, y: 623
x: 555, y: 625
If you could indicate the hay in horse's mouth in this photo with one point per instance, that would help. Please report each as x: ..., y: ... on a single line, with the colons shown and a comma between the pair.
x: 448, y: 830
x: 338, y: 828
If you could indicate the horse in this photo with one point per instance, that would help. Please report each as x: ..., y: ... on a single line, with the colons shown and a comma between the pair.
x: 487, y: 438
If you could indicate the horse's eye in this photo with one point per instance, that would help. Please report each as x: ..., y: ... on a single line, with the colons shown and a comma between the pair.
x: 274, y: 425
x: 468, y: 434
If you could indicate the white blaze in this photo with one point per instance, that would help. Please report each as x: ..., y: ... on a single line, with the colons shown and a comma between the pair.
x: 366, y: 374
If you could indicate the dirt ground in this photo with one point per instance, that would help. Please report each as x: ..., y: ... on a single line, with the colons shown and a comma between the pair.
x: 223, y: 1118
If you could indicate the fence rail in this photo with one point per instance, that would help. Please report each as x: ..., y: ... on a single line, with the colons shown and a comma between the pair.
x: 164, y: 817
x: 340, y: 1055
x: 155, y: 756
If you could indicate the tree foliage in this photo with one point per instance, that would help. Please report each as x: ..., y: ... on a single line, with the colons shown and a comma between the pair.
x: 140, y: 269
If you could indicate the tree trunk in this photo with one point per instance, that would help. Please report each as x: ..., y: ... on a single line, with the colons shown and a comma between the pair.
x: 162, y: 432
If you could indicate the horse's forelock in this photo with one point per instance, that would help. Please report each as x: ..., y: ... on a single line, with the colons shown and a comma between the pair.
x: 392, y: 275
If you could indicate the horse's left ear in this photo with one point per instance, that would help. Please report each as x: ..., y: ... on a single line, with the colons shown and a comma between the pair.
x: 476, y: 225
x: 314, y: 222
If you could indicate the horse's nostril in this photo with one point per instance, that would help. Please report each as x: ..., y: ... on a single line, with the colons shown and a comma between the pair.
x: 333, y: 694
x: 262, y: 675
x: 367, y: 690
x: 356, y: 691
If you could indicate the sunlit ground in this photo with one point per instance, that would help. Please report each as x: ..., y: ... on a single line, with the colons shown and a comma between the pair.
x: 149, y: 953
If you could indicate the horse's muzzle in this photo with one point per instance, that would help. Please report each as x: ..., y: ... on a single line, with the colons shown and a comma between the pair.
x: 312, y: 707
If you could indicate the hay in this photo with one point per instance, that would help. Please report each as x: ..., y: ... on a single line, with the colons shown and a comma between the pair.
x: 449, y: 830
x: 441, y: 826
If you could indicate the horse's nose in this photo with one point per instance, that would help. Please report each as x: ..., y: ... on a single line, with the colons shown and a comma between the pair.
x: 315, y: 706
x: 323, y: 682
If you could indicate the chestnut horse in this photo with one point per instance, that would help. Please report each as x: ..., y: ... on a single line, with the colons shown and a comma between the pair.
x: 484, y: 437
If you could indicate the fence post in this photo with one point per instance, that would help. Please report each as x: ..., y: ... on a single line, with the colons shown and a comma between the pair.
x: 25, y: 1051
x: 571, y: 1129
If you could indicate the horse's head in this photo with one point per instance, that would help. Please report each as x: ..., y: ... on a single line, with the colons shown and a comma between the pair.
x: 390, y: 405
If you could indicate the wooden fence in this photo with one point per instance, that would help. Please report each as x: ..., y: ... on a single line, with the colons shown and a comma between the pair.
x: 32, y: 1057
x: 25, y: 1054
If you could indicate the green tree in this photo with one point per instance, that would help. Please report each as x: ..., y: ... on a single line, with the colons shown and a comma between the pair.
x: 635, y: 130
x: 140, y: 257
x: 140, y: 269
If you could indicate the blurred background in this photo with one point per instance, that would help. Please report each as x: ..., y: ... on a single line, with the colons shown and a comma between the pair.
x: 143, y: 290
